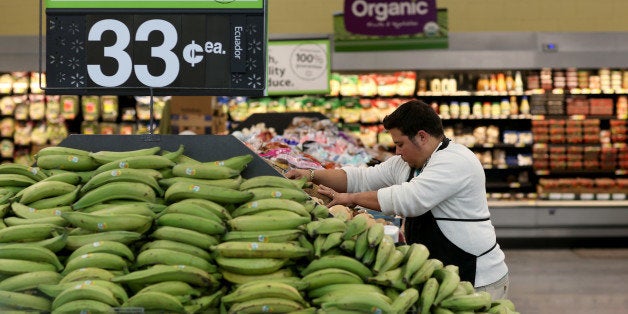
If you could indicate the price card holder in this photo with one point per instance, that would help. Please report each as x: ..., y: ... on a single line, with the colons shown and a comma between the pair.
x: 172, y: 47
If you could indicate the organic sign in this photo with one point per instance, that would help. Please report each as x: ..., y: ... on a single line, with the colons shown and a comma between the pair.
x: 139, y: 46
x: 390, y: 17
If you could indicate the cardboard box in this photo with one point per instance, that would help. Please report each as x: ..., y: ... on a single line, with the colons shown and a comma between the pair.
x: 191, y: 113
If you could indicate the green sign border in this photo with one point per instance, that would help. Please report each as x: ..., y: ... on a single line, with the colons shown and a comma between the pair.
x: 345, y: 41
x: 155, y: 4
x: 325, y: 42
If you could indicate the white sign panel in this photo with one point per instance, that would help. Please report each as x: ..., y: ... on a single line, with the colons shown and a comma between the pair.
x: 298, y: 67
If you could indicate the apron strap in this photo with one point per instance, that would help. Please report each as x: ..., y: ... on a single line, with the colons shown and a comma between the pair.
x: 460, y: 219
x: 487, y: 251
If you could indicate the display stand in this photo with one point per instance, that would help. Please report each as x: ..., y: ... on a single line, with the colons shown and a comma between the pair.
x: 199, y: 147
x: 277, y: 120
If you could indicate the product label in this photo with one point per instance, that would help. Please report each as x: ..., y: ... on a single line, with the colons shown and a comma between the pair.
x: 385, y: 17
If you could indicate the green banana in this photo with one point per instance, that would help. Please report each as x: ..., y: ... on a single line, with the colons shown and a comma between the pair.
x: 355, y: 226
x: 200, y: 224
x: 474, y: 301
x: 31, y: 253
x: 318, y: 245
x: 238, y: 163
x: 331, y: 288
x: 68, y: 177
x: 54, y: 220
x: 135, y: 208
x: 329, y: 276
x: 427, y: 295
x: 404, y: 301
x: 187, y: 236
x: 261, y: 205
x: 390, y: 278
x: 369, y: 256
x: 98, y: 260
x: 28, y: 212
x: 193, y: 210
x: 175, y: 154
x: 416, y: 256
x: 448, y: 281
x: 127, y: 237
x: 505, y: 302
x: 263, y: 236
x: 258, y: 290
x: 44, y: 189
x: 53, y: 290
x: 84, y: 175
x: 468, y: 286
x: 393, y: 261
x: 173, y: 288
x: 426, y: 271
x: 218, y: 194
x: 161, y: 273
x: 178, y: 247
x: 338, y: 261
x: 65, y: 199
x: 348, y: 246
x: 384, y: 250
x: 11, y: 179
x: 264, y: 223
x: 326, y: 226
x: 375, y: 234
x: 207, y: 302
x: 84, y: 306
x: 111, y: 247
x: 106, y: 156
x: 332, y: 240
x: 87, y: 273
x: 55, y: 243
x: 114, y: 191
x: 361, y: 245
x: 67, y: 162
x: 231, y: 183
x: 320, y: 211
x: 275, y: 192
x: 239, y: 279
x: 261, y: 305
x: 248, y: 266
x: 260, y: 249
x: 170, y: 257
x: 34, y: 173
x: 23, y: 301
x: 60, y: 150
x: 122, y: 175
x: 28, y: 233
x: 18, y: 266
x: 218, y: 209
x: 100, y: 223
x: 365, y: 302
x: 29, y: 280
x: 270, y: 181
x: 85, y: 292
x: 137, y: 162
x: 203, y: 171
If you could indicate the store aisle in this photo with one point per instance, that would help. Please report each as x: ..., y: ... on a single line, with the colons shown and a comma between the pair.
x: 569, y: 280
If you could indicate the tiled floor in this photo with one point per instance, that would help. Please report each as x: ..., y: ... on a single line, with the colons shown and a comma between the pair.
x: 569, y: 280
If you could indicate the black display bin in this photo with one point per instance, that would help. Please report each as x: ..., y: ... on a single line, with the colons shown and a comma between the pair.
x: 276, y: 120
x: 199, y: 147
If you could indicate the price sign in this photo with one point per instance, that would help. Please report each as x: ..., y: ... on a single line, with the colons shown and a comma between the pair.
x: 170, y: 47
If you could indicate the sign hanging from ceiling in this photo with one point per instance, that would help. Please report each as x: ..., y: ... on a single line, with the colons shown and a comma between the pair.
x: 298, y: 66
x: 185, y: 47
x: 386, y: 17
x: 372, y: 25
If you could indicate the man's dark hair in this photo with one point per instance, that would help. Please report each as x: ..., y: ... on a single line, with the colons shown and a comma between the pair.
x: 413, y: 116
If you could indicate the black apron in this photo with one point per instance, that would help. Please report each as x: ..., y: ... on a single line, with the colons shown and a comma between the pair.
x: 424, y: 229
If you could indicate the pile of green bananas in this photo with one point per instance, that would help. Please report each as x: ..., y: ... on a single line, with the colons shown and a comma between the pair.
x: 157, y: 230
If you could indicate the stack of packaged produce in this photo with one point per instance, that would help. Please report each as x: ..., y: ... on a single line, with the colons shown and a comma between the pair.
x: 159, y: 231
x: 307, y: 143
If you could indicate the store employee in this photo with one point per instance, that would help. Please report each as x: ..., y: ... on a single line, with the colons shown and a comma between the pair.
x: 437, y: 185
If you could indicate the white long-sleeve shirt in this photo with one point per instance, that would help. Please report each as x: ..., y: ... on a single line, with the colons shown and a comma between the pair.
x: 451, y: 185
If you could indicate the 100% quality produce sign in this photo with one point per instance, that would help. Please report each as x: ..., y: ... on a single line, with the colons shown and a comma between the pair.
x: 187, y: 47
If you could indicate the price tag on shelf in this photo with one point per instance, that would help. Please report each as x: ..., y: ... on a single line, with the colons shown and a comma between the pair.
x: 171, y: 47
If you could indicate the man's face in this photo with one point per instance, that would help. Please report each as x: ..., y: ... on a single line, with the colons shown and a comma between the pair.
x: 409, y: 150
